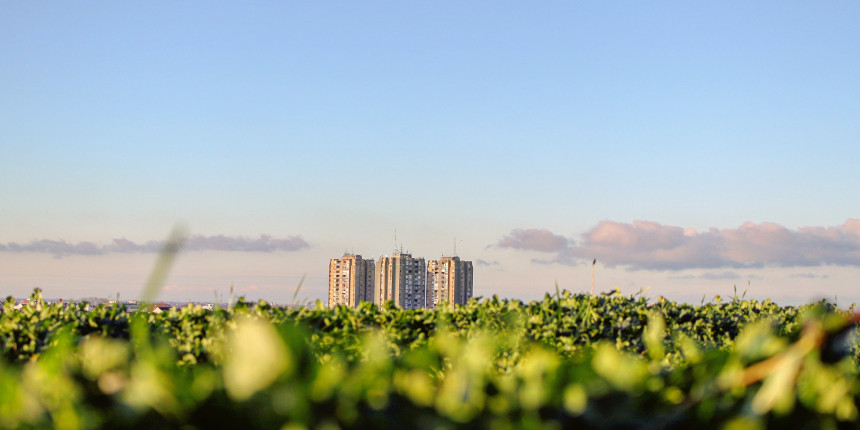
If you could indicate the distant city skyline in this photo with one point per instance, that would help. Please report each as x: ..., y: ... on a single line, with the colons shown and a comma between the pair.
x: 408, y: 281
x: 639, y: 248
x: 692, y: 149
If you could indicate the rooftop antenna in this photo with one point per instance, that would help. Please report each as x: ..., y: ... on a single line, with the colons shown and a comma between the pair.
x: 455, y: 246
x: 395, y: 240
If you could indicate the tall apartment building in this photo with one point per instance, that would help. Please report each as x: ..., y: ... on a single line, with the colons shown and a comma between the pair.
x: 400, y: 278
x: 449, y: 280
x: 350, y: 281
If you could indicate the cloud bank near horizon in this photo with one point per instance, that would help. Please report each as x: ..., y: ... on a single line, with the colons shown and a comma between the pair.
x: 61, y: 248
x: 648, y: 245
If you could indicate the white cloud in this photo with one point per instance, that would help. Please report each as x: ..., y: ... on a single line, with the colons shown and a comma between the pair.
x: 716, y: 276
x: 60, y: 248
x: 249, y: 288
x: 264, y: 243
x: 808, y: 276
x: 480, y: 262
x: 647, y: 245
x: 534, y: 240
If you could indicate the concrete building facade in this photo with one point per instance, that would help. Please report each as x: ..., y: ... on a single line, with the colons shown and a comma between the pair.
x: 402, y: 279
x: 449, y: 280
x: 350, y: 281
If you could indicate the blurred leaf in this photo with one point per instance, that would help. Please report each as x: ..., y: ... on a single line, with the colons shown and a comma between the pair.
x: 256, y: 357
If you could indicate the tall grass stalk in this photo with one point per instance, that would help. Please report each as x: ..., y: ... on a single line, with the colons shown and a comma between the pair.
x: 175, y: 242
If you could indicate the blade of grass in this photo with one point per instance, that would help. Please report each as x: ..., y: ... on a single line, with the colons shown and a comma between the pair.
x: 296, y: 293
x: 168, y: 254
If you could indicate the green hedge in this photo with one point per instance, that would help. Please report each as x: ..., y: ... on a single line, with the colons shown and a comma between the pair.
x: 567, y: 361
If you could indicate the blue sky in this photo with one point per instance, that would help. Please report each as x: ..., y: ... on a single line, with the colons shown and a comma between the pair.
x: 498, y: 123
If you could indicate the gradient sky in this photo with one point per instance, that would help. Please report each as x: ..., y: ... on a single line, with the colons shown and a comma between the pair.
x: 689, y: 147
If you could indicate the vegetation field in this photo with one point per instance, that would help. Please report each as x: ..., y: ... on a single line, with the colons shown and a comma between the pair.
x: 567, y: 361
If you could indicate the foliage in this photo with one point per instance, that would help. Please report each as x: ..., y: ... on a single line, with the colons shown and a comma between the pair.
x: 602, y: 361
